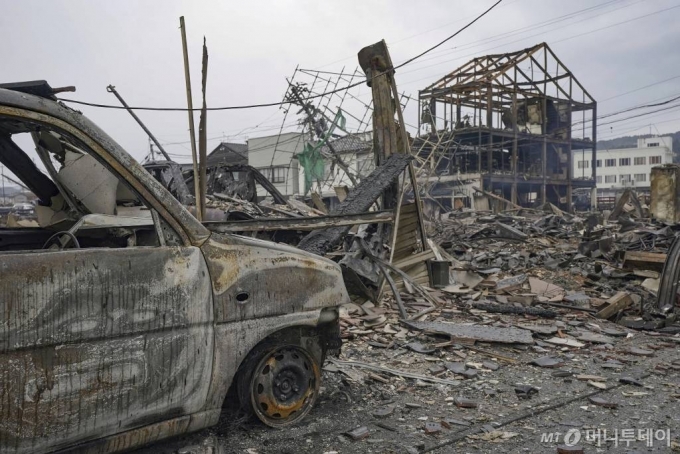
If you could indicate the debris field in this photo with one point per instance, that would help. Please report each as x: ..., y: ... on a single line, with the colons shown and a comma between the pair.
x: 549, y: 324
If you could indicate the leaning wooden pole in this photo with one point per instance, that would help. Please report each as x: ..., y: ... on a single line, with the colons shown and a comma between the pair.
x: 192, y: 130
x: 202, y: 128
x: 390, y: 137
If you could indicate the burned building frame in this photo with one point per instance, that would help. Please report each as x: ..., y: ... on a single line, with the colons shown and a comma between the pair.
x: 513, y: 122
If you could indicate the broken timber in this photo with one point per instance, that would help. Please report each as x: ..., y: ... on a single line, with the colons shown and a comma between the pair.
x: 494, y: 196
x: 617, y: 303
x: 628, y: 195
x: 299, y: 223
x: 475, y: 332
x: 359, y: 200
x: 641, y: 260
x: 398, y: 373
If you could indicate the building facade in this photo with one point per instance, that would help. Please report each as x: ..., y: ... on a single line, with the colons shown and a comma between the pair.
x: 229, y: 153
x: 356, y: 151
x: 274, y: 156
x: 622, y: 168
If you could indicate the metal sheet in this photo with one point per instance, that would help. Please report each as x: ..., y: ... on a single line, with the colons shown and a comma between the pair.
x: 254, y: 278
x: 476, y: 332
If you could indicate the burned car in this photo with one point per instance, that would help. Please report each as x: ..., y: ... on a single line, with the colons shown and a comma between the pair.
x: 124, y: 320
x: 21, y: 215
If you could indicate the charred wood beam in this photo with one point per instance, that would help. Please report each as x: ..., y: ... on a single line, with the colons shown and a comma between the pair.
x: 16, y: 160
x: 359, y: 200
x: 306, y: 223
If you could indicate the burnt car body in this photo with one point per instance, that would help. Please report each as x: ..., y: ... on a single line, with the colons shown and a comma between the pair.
x: 23, y: 209
x: 123, y: 319
x: 21, y: 215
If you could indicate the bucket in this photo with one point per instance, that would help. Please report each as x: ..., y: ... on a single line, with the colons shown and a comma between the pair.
x: 439, y: 273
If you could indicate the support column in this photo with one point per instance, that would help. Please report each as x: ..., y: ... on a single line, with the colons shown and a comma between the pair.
x: 593, y: 195
x: 458, y: 119
x: 570, y: 167
x: 544, y: 169
x: 544, y: 151
x: 513, y: 159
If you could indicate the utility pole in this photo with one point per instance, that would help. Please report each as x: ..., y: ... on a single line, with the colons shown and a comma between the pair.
x: 192, y: 129
x: 319, y: 128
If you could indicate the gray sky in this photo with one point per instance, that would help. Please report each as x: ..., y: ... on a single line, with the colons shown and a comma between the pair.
x: 255, y: 45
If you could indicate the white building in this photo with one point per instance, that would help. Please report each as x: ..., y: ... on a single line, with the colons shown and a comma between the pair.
x: 356, y: 151
x: 274, y: 157
x: 625, y: 167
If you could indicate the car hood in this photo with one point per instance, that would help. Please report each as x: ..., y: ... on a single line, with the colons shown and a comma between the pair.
x: 254, y: 278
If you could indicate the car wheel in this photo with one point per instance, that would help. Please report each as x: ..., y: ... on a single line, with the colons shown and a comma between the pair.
x: 280, y: 384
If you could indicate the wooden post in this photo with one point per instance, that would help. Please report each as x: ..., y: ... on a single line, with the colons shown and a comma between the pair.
x: 388, y: 138
x: 202, y: 128
x: 515, y: 127
x: 617, y: 303
x: 593, y: 194
x: 544, y: 150
x: 494, y: 196
x: 192, y: 129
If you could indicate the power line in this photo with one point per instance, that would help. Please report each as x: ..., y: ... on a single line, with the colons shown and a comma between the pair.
x: 391, y: 43
x: 675, y: 106
x: 279, y: 103
x: 450, y: 37
x: 523, y: 39
x: 640, y: 107
x: 630, y: 109
x: 626, y: 131
x: 534, y: 26
x: 640, y: 88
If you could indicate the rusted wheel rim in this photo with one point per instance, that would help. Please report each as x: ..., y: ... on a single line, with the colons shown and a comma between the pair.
x: 284, y: 386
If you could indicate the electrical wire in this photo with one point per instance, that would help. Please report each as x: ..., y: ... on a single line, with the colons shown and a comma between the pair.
x: 630, y: 109
x: 532, y: 27
x: 412, y: 59
x: 279, y: 103
x: 675, y: 106
x: 486, y: 50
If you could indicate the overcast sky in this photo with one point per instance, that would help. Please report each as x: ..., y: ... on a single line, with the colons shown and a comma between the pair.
x: 255, y: 45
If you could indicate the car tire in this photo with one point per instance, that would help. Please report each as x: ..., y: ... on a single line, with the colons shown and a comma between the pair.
x: 279, y: 383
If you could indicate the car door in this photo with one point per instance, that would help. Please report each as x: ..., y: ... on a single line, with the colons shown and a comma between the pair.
x: 114, y: 332
x: 98, y: 341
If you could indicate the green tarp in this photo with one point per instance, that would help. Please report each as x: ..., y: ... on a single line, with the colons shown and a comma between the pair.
x: 311, y: 158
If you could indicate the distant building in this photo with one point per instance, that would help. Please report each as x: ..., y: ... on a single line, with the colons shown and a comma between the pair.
x: 278, y: 159
x: 274, y: 156
x: 229, y: 153
x: 22, y: 197
x: 625, y: 167
x: 356, y: 151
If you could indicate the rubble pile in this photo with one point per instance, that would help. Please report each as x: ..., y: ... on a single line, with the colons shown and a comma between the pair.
x: 533, y: 264
x: 233, y: 208
x: 542, y: 311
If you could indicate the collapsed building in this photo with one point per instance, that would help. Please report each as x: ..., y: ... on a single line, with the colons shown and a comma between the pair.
x: 507, y: 125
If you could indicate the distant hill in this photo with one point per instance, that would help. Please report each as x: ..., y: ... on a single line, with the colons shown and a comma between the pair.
x: 631, y: 142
